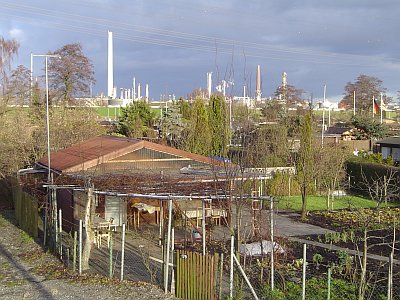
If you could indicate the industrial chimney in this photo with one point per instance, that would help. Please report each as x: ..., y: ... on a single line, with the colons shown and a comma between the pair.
x: 209, y: 83
x: 110, y: 87
x: 258, y: 83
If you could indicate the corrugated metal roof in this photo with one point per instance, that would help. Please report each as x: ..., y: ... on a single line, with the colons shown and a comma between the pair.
x: 393, y: 140
x: 100, y: 149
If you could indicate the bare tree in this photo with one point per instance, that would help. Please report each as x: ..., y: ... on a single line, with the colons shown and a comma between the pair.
x: 18, y: 88
x: 71, y: 75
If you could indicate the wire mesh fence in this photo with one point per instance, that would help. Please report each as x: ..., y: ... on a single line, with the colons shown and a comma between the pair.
x: 153, y: 241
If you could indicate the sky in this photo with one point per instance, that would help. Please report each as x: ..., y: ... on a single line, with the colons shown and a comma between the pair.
x: 171, y: 45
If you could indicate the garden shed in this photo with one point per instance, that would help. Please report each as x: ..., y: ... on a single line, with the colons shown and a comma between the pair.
x: 124, y: 166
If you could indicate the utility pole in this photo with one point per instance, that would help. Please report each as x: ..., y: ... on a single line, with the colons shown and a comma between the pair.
x: 323, y: 118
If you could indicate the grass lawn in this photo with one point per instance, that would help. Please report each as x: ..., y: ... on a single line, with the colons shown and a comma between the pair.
x: 114, y: 112
x: 319, y: 202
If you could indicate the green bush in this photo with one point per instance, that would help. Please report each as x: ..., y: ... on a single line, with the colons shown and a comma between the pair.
x: 364, y: 173
x: 279, y: 185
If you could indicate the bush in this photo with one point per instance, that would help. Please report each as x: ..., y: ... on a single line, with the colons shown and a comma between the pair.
x: 372, y: 171
x: 279, y: 185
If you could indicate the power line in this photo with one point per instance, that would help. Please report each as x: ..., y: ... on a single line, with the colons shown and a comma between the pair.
x: 186, y: 37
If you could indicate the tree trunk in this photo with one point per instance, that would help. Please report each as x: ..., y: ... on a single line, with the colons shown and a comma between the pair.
x: 89, y: 233
x: 304, y: 203
x: 363, y: 280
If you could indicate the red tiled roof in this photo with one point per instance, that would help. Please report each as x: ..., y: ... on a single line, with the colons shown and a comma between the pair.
x: 100, y: 149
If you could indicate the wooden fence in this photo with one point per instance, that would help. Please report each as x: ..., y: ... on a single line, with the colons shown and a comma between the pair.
x: 196, y: 275
x: 26, y: 210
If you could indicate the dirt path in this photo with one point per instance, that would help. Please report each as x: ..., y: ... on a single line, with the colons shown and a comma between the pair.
x: 26, y: 272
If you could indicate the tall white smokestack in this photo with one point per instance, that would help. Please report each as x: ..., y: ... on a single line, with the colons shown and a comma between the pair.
x: 110, y: 91
x: 209, y: 83
x: 147, y: 92
x: 138, y: 91
x: 258, y: 83
x: 244, y: 91
x: 134, y: 89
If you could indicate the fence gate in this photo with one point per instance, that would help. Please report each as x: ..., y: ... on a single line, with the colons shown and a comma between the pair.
x: 195, y: 275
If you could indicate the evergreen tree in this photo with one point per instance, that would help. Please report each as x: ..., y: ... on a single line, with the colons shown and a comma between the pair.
x: 218, y: 125
x: 199, y: 138
x: 136, y: 120
x: 305, y: 163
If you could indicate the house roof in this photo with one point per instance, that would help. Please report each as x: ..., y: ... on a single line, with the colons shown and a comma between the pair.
x: 393, y: 140
x: 338, y: 130
x: 97, y: 150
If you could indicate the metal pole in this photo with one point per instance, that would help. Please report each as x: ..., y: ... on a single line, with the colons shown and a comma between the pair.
x: 221, y: 270
x: 245, y: 278
x: 328, y: 297
x: 203, y: 226
x: 80, y: 247
x: 172, y: 261
x: 323, y: 118
x: 381, y: 108
x: 161, y: 223
x: 31, y: 77
x: 48, y: 126
x: 304, y: 272
x: 60, y: 232
x: 110, y: 271
x: 354, y: 103
x: 231, y: 267
x: 168, y: 247
x: 272, y: 242
x: 74, y: 252
x: 123, y: 252
x: 390, y: 278
x: 45, y: 222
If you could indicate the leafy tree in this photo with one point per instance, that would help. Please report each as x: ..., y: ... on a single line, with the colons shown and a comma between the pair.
x: 273, y: 111
x: 136, y: 120
x: 365, y: 87
x: 368, y: 128
x: 71, y: 75
x: 244, y: 121
x: 218, y: 123
x: 199, y: 138
x: 305, y: 161
x: 184, y: 109
x: 290, y: 94
x: 269, y: 147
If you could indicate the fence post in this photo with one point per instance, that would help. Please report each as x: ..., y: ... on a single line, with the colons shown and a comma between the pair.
x: 304, y: 271
x: 168, y: 246
x: 272, y: 243
x: 172, y: 261
x: 221, y: 270
x: 45, y: 224
x: 245, y: 278
x: 122, y: 251
x: 231, y: 267
x: 110, y: 245
x: 390, y: 278
x: 203, y: 225
x: 80, y: 247
x: 74, y: 252
x: 328, y: 297
x: 60, y: 232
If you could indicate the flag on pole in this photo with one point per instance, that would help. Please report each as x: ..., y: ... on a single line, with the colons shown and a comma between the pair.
x: 375, y: 108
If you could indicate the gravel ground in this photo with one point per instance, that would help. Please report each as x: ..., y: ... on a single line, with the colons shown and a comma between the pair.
x: 27, y: 272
